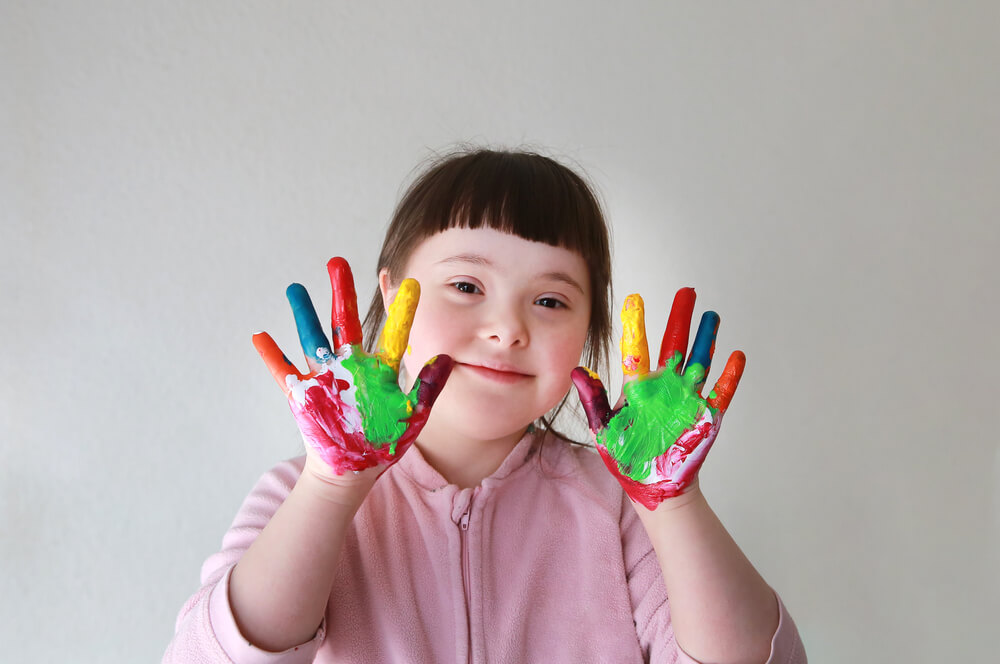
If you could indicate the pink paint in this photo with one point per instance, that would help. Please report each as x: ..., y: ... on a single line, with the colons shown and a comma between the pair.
x: 682, y: 459
x: 324, y: 419
x: 631, y: 363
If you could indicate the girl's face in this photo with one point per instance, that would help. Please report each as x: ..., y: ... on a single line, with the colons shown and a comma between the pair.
x: 513, y: 314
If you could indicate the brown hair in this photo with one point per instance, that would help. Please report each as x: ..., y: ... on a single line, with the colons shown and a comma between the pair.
x: 513, y: 191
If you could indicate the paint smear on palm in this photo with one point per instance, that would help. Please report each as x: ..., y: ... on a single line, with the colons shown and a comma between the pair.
x: 352, y: 413
x: 384, y: 408
x: 663, y: 409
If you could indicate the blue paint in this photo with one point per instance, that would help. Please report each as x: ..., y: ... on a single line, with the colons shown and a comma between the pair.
x: 704, y: 344
x: 314, y: 342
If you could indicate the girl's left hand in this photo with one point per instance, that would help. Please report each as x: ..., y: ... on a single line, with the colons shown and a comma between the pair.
x: 655, y: 441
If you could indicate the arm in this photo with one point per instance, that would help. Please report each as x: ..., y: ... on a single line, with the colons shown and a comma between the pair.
x: 721, y: 609
x: 654, y: 443
x: 280, y: 587
x: 206, y: 630
x: 355, y: 422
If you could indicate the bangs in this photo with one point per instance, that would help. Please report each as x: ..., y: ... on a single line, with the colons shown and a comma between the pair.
x: 516, y: 193
x: 520, y: 193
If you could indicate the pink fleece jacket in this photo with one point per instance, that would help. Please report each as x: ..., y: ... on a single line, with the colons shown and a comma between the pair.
x: 546, y: 560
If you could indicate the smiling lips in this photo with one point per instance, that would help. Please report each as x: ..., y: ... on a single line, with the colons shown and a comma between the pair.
x: 496, y: 373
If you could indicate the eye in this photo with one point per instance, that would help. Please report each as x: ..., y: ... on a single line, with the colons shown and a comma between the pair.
x: 550, y: 303
x: 466, y: 287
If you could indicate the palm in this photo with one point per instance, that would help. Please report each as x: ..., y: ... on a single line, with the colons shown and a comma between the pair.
x: 656, y: 442
x: 349, y: 407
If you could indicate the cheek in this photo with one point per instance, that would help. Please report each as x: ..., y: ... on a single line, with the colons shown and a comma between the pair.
x: 564, y: 353
x: 430, y: 335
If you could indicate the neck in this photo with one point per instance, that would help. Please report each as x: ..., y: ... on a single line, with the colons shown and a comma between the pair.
x: 462, y: 460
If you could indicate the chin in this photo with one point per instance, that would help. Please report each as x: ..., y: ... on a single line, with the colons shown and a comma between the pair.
x: 490, y: 427
x: 479, y: 421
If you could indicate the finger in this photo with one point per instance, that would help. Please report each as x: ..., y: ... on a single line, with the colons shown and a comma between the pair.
x: 314, y: 343
x: 725, y: 387
x: 431, y: 380
x: 276, y: 361
x: 344, y: 316
x: 703, y: 348
x: 635, y: 349
x: 675, y: 337
x: 392, y: 342
x: 594, y: 398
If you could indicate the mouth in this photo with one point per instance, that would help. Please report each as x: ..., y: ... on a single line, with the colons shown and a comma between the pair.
x: 496, y: 373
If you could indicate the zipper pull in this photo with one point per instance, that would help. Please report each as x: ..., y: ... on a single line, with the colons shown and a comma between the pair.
x: 464, y: 523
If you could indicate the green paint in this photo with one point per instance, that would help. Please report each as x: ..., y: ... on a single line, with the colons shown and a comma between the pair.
x: 661, y: 407
x: 383, y: 406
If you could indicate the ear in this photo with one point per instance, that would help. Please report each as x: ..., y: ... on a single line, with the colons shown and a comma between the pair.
x: 385, y: 285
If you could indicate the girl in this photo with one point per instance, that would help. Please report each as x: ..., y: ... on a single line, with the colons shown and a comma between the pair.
x: 487, y: 536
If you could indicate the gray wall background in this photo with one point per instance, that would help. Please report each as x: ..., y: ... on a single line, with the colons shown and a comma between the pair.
x: 825, y: 173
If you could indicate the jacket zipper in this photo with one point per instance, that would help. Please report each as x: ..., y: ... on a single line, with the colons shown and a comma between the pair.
x: 463, y: 525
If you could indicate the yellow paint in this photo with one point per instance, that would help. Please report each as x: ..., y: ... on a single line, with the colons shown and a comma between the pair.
x: 635, y: 349
x: 409, y: 349
x: 591, y: 373
x: 396, y: 332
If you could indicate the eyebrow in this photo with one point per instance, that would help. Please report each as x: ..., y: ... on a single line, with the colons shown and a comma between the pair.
x: 477, y: 259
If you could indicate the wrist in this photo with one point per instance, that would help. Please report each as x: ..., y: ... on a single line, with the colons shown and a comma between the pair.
x: 345, y: 492
x: 691, y: 500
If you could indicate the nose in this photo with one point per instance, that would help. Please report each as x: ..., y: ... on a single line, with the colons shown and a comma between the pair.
x: 506, y: 327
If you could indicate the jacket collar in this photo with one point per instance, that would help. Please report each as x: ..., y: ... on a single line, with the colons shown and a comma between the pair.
x: 415, y: 466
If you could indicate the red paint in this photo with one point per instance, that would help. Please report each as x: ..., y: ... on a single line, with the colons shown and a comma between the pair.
x: 672, y: 464
x: 319, y: 420
x: 320, y: 417
x: 647, y: 495
x: 344, y: 315
x: 675, y: 336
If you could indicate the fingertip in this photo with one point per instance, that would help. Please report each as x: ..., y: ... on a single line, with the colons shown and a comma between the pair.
x: 262, y: 341
x: 408, y: 289
x: 632, y: 302
x: 440, y: 363
x: 432, y: 378
x: 337, y: 263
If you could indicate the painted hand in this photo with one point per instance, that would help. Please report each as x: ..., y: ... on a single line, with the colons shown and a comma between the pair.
x: 657, y: 439
x: 349, y: 407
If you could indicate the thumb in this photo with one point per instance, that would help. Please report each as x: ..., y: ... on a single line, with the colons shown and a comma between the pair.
x: 594, y: 398
x: 431, y: 380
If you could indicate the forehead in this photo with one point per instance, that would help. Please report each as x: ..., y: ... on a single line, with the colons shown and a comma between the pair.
x: 494, y: 249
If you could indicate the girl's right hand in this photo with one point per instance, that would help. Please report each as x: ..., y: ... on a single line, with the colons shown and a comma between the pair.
x: 349, y: 407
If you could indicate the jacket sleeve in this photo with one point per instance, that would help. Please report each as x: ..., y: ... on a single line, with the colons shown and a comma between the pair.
x: 651, y: 608
x: 206, y: 631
